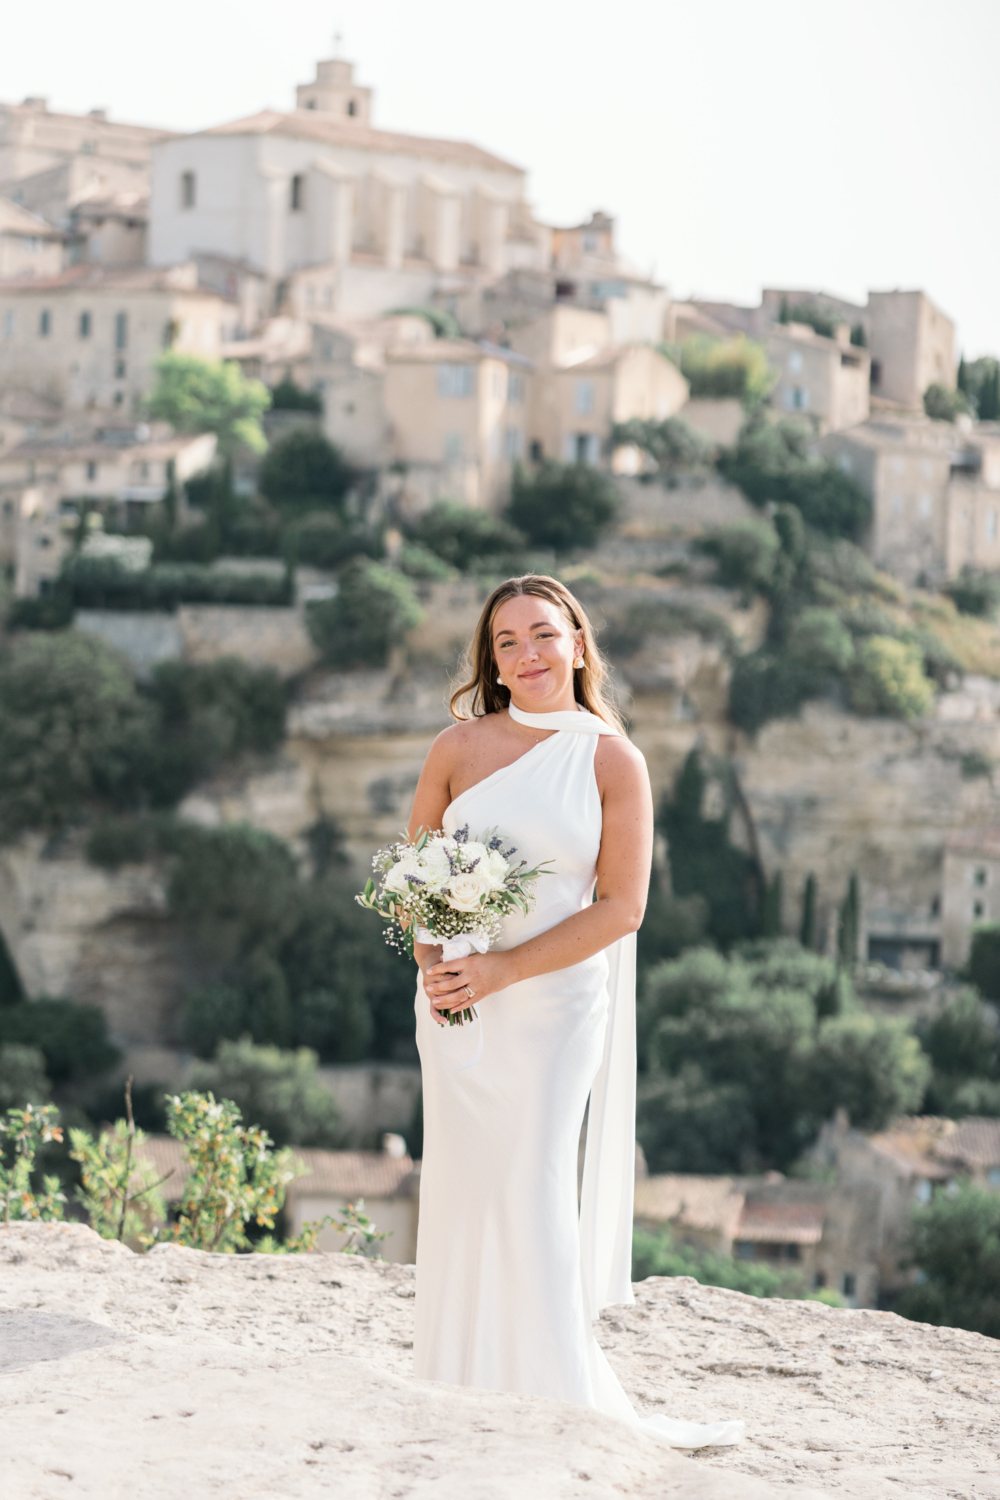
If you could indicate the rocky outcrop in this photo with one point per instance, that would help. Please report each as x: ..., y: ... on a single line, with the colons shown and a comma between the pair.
x: 291, y: 1376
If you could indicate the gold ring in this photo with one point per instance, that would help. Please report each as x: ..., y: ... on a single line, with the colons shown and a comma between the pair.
x: 471, y: 993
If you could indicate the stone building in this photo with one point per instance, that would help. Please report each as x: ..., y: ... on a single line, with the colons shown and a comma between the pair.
x: 823, y: 378
x: 48, y: 483
x: 912, y: 346
x: 935, y: 491
x: 392, y: 215
x: 88, y: 338
x: 971, y: 888
x: 29, y: 246
x: 35, y: 139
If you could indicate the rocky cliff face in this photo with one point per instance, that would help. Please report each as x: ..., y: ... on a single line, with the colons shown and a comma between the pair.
x: 181, y: 1373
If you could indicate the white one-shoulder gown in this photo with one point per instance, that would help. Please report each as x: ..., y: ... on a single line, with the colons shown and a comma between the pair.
x: 511, y: 1271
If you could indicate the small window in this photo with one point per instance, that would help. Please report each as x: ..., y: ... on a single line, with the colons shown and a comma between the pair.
x: 589, y: 243
x: 980, y: 877
x: 536, y: 452
x: 86, y: 326
x: 849, y: 1284
x: 794, y: 362
x: 44, y: 323
x: 189, y: 189
x: 936, y: 906
x: 744, y: 1249
x: 120, y: 369
x: 923, y: 1190
x: 456, y: 380
x: 297, y: 200
x: 977, y: 908
x: 91, y: 469
x: 583, y: 398
x: 121, y: 330
x: 352, y: 106
x: 515, y: 387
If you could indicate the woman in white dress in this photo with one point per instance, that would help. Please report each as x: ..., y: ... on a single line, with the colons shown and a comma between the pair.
x: 511, y: 1271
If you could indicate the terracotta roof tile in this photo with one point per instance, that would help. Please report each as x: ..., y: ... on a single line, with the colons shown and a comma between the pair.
x: 974, y: 1143
x: 712, y: 1203
x: 782, y: 1223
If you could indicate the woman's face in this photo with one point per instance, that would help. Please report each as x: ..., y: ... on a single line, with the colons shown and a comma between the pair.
x: 535, y: 645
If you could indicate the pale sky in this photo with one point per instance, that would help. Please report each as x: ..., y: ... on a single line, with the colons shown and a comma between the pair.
x: 777, y: 142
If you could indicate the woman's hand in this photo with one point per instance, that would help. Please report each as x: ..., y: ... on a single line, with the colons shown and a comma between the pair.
x: 483, y: 973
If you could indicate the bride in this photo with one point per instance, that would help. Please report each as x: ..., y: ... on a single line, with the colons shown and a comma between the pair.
x: 511, y: 1271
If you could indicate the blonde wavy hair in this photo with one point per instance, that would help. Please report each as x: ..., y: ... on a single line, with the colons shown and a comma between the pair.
x: 481, y: 694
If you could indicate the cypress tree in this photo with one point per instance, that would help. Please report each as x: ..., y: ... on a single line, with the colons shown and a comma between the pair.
x: 848, y: 929
x: 807, y: 927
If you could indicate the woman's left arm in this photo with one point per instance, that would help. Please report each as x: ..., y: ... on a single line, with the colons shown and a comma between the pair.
x: 622, y: 884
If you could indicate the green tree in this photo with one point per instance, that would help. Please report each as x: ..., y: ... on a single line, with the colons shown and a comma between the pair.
x: 287, y: 396
x: 673, y: 444
x: 955, y: 1241
x: 660, y: 1255
x: 984, y: 960
x: 72, y: 1038
x: 746, y: 552
x: 807, y: 925
x: 819, y: 640
x: 964, y: 1048
x: 943, y: 404
x: 823, y: 320
x: 771, y: 462
x: 871, y: 1066
x: 236, y: 886
x: 463, y: 537
x: 703, y: 861
x: 206, y: 395
x: 372, y: 612
x: 724, y: 367
x: 563, y: 505
x: 281, y: 1091
x: 72, y: 729
x: 304, y: 472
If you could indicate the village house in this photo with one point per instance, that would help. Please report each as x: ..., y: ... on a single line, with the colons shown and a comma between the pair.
x: 935, y: 491
x: 970, y: 889
x: 88, y: 338
x: 48, y: 484
x: 823, y: 378
x: 28, y: 245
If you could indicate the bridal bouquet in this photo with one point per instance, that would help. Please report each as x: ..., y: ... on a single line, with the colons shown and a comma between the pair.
x: 449, y: 889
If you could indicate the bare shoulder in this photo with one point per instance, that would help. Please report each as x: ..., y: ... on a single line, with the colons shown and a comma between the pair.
x: 459, y: 740
x: 618, y: 764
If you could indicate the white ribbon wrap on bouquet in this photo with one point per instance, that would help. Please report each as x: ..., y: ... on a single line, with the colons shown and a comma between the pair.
x: 455, y: 947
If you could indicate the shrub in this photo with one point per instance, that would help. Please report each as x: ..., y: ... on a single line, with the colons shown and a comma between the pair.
x: 462, y: 536
x: 975, y: 593
x: 724, y: 367
x: 563, y: 505
x: 820, y: 641
x: 72, y: 1038
x: 303, y: 471
x: 771, y: 462
x: 22, y: 1076
x: 280, y: 1091
x: 213, y: 1014
x: 746, y: 552
x: 373, y: 609
x: 983, y: 968
x: 704, y: 863
x: 72, y: 728
x: 942, y: 404
x: 767, y: 685
x: 813, y: 314
x: 236, y: 886
x: 119, y: 1187
x: 323, y: 539
x: 235, y: 1178
x: 208, y: 395
x: 890, y: 679
x: 287, y: 396
x: 419, y: 562
x: 673, y: 444
x: 52, y: 611
x: 121, y: 840
x: 23, y: 1132
x: 658, y: 1255
x: 102, y: 583
x: 870, y: 1066
x: 955, y: 1241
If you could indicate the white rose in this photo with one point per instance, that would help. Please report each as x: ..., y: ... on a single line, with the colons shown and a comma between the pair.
x: 434, y: 865
x: 396, y: 877
x: 465, y: 892
x: 496, y: 868
x: 473, y: 851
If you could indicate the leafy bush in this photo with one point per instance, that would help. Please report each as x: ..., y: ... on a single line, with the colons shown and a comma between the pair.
x: 22, y: 1076
x: 724, y: 367
x: 983, y: 968
x: 975, y: 593
x: 236, y: 886
x: 303, y: 471
x: 821, y: 642
x: 964, y: 1047
x: 942, y: 404
x: 323, y: 539
x: 462, y: 536
x: 373, y: 609
x: 659, y: 1255
x: 955, y: 1241
x: 287, y: 396
x: 102, y: 583
x: 890, y: 679
x: 821, y: 319
x: 672, y: 443
x: 72, y: 728
x: 51, y: 611
x: 771, y: 462
x: 208, y: 395
x: 235, y: 1178
x: 72, y: 1038
x: 119, y: 1187
x: 770, y: 685
x: 870, y: 1066
x: 278, y: 1090
x: 23, y: 1132
x: 746, y: 552
x: 563, y: 505
x: 419, y: 562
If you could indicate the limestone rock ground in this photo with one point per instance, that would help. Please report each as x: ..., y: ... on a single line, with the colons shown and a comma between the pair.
x: 180, y: 1374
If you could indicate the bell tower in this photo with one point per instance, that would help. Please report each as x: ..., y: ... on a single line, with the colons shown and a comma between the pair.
x: 334, y: 92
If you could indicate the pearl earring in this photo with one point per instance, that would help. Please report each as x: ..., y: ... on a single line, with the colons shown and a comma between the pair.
x: 578, y: 663
x: 499, y: 680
